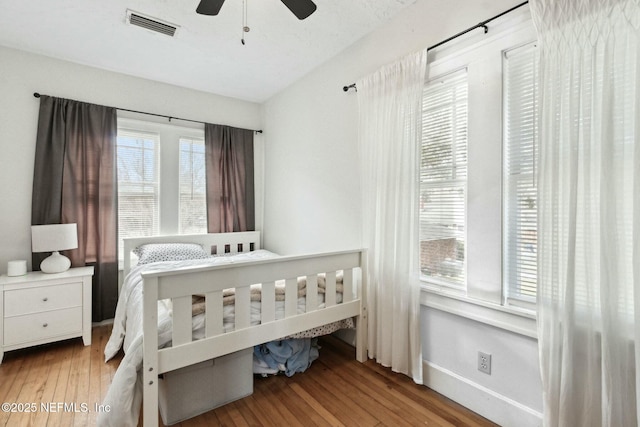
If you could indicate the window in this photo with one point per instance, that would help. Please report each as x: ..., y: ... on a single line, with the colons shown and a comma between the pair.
x: 193, y: 203
x: 478, y: 235
x: 138, y: 192
x: 443, y: 179
x: 161, y: 178
x: 520, y: 210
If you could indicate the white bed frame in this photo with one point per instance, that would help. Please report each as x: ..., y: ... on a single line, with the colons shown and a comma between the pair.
x: 180, y: 285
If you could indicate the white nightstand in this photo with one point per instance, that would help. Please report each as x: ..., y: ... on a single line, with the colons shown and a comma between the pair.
x: 38, y: 308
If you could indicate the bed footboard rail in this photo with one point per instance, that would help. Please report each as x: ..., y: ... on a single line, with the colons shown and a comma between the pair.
x: 325, y: 276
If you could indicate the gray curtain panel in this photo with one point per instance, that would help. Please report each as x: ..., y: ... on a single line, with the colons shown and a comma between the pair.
x: 75, y: 182
x: 230, y: 175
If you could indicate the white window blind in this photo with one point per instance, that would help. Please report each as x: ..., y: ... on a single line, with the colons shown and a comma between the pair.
x: 520, y: 207
x: 443, y: 179
x: 138, y: 201
x: 193, y: 202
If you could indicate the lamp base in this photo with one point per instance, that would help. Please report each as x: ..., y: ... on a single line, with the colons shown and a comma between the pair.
x: 55, y: 263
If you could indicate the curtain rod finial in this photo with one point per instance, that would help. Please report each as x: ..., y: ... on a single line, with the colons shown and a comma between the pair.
x: 36, y: 94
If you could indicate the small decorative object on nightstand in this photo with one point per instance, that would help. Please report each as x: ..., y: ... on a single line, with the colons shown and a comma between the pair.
x: 39, y: 308
x: 54, y: 238
x: 17, y: 268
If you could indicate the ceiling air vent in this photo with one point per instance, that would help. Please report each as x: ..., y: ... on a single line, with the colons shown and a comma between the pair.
x: 153, y: 24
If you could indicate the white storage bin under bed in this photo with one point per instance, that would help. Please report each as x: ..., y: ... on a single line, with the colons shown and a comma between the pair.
x: 196, y: 389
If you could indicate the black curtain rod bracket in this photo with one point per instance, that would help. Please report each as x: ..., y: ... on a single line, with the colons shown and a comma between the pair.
x: 352, y: 85
x: 37, y: 95
x: 482, y: 25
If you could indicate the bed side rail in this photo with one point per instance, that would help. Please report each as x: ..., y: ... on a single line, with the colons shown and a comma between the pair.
x: 180, y: 285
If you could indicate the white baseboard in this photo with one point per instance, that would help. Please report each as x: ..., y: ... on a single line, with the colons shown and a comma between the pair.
x: 491, y: 405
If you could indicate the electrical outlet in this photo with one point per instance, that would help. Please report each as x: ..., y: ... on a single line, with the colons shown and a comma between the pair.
x: 484, y: 362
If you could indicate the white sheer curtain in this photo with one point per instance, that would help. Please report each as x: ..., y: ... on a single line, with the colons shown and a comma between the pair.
x: 390, y: 109
x: 589, y: 211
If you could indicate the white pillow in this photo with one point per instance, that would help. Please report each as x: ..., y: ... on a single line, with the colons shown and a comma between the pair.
x: 154, y: 252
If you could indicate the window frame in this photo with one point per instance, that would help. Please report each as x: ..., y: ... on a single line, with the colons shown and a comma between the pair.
x: 453, y: 182
x: 168, y: 181
x: 513, y: 291
x: 191, y: 141
x: 154, y: 183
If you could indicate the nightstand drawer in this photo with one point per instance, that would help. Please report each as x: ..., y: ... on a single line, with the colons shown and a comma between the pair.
x: 34, y: 300
x: 34, y: 327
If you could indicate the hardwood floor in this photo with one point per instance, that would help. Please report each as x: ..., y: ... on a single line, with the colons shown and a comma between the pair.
x: 62, y: 383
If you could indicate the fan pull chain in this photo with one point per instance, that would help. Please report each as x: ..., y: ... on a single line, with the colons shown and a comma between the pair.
x: 245, y: 27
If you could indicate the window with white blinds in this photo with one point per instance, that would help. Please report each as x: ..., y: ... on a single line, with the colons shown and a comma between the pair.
x: 138, y: 200
x: 443, y: 179
x: 193, y: 201
x: 520, y: 208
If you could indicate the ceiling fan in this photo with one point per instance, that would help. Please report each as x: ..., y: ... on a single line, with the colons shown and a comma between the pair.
x: 300, y: 8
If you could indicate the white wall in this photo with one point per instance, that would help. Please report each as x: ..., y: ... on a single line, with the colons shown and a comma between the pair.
x: 22, y: 74
x: 312, y: 178
x: 313, y: 200
x: 510, y: 396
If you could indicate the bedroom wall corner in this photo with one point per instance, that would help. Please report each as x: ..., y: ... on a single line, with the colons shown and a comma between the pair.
x: 312, y: 175
x: 312, y: 164
x: 311, y: 172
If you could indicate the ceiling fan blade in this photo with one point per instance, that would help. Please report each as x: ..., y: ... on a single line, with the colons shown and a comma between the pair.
x: 301, y: 8
x: 209, y: 7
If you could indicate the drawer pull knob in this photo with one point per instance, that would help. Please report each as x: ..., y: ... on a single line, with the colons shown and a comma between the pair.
x: 45, y: 325
x: 45, y: 299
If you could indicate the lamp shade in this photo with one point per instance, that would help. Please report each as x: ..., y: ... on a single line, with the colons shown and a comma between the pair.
x: 54, y: 237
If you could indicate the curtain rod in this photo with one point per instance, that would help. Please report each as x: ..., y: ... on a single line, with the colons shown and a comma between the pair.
x: 37, y: 95
x: 482, y: 24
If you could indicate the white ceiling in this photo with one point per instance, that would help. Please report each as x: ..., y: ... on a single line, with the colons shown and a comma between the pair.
x: 206, y: 53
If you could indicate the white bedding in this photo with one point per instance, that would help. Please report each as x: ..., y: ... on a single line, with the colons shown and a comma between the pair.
x: 124, y: 396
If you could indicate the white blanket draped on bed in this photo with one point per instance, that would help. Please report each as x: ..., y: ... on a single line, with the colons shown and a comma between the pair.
x: 124, y: 396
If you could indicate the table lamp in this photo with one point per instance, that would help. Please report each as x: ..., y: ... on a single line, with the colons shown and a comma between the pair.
x: 54, y: 238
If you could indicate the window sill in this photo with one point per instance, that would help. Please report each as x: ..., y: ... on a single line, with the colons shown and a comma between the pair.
x: 514, y: 319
